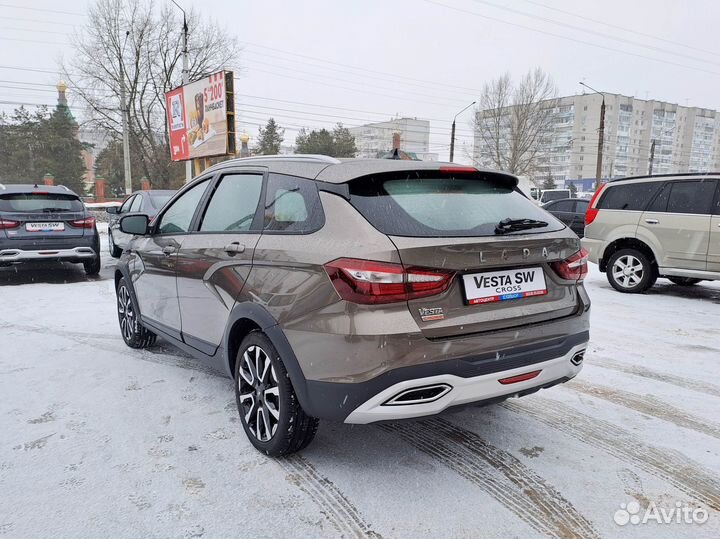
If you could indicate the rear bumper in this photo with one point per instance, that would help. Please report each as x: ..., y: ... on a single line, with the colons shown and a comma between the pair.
x: 471, y: 379
x: 466, y: 390
x: 9, y: 256
x: 595, y: 249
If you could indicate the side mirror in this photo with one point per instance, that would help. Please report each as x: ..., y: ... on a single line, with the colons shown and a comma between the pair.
x: 113, y: 210
x: 137, y: 224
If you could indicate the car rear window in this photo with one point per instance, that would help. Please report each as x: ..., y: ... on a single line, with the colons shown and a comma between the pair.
x: 427, y: 205
x: 629, y: 197
x: 32, y: 202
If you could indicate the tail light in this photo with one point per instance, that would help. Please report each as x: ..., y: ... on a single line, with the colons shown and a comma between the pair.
x: 7, y: 223
x: 574, y: 268
x: 370, y: 283
x: 592, y: 211
x: 88, y: 222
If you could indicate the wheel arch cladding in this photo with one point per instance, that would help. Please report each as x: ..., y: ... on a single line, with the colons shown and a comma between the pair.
x: 627, y: 243
x: 246, y: 317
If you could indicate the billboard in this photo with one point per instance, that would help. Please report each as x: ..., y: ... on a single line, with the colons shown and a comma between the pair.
x: 201, y: 118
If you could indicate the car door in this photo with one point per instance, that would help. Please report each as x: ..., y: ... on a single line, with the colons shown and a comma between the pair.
x: 578, y: 221
x: 153, y: 259
x: 677, y: 223
x: 562, y: 209
x: 120, y: 238
x: 713, y: 259
x: 215, y: 260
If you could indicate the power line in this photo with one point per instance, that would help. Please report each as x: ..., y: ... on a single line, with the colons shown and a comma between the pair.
x: 568, y: 38
x: 38, y: 21
x: 34, y: 30
x: 73, y: 13
x: 594, y: 32
x: 20, y: 40
x: 630, y: 30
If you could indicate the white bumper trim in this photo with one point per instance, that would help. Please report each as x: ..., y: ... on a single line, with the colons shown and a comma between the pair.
x: 18, y: 255
x: 464, y: 390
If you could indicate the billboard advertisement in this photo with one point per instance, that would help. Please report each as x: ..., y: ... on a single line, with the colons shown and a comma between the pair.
x: 201, y: 119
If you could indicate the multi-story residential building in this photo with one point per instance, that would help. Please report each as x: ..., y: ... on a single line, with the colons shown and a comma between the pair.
x: 686, y: 139
x: 376, y: 139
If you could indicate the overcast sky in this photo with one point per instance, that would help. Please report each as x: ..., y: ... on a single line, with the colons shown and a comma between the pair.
x: 417, y: 58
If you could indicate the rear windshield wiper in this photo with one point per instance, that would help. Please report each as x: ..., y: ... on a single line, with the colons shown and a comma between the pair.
x: 54, y: 210
x: 511, y: 225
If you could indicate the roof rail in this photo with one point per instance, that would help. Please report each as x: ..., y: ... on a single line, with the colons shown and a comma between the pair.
x: 64, y: 187
x: 294, y: 157
x: 666, y: 175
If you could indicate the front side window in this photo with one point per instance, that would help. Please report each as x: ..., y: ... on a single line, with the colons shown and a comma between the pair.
x: 177, y: 219
x: 125, y: 208
x: 292, y: 205
x: 691, y: 197
x: 137, y: 204
x: 234, y: 203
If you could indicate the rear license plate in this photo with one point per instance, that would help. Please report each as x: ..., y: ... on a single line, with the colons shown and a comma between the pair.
x: 45, y: 227
x: 502, y: 285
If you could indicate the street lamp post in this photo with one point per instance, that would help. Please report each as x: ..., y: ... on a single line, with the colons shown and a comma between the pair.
x: 452, y: 134
x: 125, y: 111
x: 601, y: 137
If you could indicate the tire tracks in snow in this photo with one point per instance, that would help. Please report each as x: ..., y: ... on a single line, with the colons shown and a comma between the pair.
x: 667, y: 464
x: 638, y: 370
x: 107, y: 343
x: 647, y: 405
x: 339, y: 511
x: 499, y: 473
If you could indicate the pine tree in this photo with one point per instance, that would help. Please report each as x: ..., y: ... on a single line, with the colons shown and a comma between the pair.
x: 549, y: 182
x: 269, y: 138
x: 338, y: 143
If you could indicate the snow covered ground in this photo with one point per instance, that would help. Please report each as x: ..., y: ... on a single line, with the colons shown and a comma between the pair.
x: 98, y: 440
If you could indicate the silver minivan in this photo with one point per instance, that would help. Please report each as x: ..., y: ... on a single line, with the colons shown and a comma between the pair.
x: 641, y: 228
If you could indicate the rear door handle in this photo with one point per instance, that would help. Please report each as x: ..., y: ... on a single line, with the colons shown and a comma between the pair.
x: 168, y: 250
x: 652, y: 221
x: 234, y: 248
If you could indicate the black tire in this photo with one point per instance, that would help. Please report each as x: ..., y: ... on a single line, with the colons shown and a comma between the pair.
x: 630, y: 271
x: 92, y: 266
x: 269, y: 398
x: 684, y: 281
x: 133, y: 332
x: 115, y: 251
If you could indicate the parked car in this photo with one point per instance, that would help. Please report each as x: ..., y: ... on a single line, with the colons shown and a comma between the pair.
x: 358, y: 290
x: 641, y: 228
x: 46, y: 223
x: 548, y: 195
x: 570, y: 211
x: 148, y: 202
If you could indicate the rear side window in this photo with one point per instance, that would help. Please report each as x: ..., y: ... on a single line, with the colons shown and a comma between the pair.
x: 234, y: 203
x: 691, y: 197
x: 29, y: 202
x: 292, y: 205
x: 563, y: 205
x: 581, y: 206
x: 159, y: 200
x: 428, y: 204
x: 629, y: 197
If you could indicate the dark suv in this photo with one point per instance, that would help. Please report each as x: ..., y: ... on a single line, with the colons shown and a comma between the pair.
x: 46, y: 223
x: 357, y: 290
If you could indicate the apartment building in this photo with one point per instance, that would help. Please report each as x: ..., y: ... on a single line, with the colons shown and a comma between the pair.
x: 686, y: 139
x: 375, y: 139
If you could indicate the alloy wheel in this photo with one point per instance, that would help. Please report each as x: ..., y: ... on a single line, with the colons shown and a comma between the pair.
x: 126, y: 313
x: 628, y: 271
x: 259, y: 394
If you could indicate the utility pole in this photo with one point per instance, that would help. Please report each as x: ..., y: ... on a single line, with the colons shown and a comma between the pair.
x: 601, y: 137
x: 601, y: 140
x: 652, y: 157
x: 124, y: 110
x: 185, y: 77
x: 452, y: 132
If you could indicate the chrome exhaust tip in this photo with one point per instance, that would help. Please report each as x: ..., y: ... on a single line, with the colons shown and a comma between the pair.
x: 419, y: 395
x: 578, y: 358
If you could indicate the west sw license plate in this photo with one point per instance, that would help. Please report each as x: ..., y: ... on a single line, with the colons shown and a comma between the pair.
x: 45, y: 227
x: 502, y: 285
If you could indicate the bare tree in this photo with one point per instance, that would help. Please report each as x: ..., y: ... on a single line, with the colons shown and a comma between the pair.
x: 141, y: 42
x: 513, y: 122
